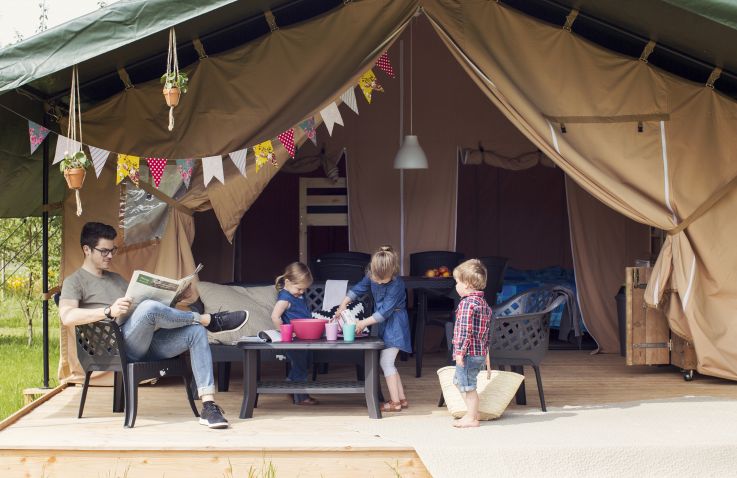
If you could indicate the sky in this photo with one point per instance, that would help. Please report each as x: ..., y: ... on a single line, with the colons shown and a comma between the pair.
x: 22, y: 16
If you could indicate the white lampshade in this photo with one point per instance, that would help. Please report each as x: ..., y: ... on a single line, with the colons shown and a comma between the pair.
x: 410, y: 155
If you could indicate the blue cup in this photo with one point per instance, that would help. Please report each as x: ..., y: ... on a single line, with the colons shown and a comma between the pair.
x: 349, y: 332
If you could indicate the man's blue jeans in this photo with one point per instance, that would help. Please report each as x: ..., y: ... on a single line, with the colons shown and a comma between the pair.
x: 155, y: 331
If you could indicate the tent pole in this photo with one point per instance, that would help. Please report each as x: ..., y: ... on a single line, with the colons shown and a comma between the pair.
x: 45, y: 258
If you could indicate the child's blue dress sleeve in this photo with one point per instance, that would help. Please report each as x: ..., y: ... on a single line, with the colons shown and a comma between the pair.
x: 360, y: 289
x: 393, y: 300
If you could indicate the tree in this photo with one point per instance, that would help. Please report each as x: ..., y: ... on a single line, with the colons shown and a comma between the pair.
x: 43, y: 18
x: 20, y: 249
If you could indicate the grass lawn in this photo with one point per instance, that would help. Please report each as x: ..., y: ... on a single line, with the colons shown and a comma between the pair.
x: 23, y: 365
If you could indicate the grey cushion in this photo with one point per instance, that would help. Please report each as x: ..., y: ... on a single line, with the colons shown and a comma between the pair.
x: 257, y: 301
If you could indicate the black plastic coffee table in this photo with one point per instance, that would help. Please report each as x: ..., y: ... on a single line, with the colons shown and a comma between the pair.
x: 252, y: 387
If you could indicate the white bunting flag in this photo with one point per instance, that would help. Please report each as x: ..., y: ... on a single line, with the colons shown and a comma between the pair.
x: 349, y: 98
x: 239, y: 159
x: 65, y: 145
x: 331, y: 116
x: 212, y: 167
x: 99, y: 157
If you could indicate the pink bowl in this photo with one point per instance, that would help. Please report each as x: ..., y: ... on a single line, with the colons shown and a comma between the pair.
x: 308, y: 329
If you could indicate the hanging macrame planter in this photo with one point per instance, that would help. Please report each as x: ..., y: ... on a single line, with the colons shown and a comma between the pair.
x: 174, y: 81
x: 74, y: 163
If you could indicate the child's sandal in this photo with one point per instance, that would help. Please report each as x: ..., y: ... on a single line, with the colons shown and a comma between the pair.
x: 404, y: 403
x: 392, y: 407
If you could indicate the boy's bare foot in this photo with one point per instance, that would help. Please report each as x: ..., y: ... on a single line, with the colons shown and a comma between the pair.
x: 463, y: 423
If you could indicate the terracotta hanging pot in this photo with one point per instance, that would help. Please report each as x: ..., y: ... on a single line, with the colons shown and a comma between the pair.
x: 74, y: 177
x: 171, y: 95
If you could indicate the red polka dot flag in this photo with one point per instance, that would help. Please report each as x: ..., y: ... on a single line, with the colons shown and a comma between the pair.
x: 156, y: 165
x: 384, y: 65
x: 287, y: 139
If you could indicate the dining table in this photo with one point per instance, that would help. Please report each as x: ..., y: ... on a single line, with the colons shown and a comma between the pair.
x: 424, y: 287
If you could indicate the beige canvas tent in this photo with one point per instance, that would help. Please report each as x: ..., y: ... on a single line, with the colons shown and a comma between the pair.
x: 653, y: 147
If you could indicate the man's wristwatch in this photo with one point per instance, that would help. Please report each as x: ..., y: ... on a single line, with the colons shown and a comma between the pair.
x: 107, y: 312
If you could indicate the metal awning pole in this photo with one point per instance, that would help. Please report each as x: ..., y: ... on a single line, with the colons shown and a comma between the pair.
x: 45, y: 257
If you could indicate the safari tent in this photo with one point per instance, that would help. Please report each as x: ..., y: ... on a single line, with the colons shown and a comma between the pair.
x: 634, y: 112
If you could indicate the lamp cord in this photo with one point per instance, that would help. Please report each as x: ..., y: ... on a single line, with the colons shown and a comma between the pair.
x: 411, y: 78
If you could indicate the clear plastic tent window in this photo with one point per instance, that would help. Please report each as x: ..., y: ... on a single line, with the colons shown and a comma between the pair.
x: 143, y: 216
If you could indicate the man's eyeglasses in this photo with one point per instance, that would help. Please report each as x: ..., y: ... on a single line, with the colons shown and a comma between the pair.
x: 107, y: 252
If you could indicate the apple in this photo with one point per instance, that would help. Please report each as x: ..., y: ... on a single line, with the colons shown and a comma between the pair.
x: 443, y: 269
x: 431, y: 273
x: 446, y: 273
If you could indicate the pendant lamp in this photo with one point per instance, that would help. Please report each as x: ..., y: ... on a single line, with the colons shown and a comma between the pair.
x: 410, y: 154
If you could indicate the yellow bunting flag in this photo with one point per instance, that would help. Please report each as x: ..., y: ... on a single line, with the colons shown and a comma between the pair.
x: 127, y: 168
x: 264, y: 152
x: 369, y: 84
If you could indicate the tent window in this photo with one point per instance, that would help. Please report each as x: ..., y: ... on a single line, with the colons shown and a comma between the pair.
x: 143, y: 216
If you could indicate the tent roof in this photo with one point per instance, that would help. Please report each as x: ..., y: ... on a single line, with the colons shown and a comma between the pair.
x: 134, y: 34
x: 696, y: 34
x: 693, y: 36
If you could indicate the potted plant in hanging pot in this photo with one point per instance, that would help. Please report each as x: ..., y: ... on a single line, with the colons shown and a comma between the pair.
x: 73, y: 166
x: 175, y: 84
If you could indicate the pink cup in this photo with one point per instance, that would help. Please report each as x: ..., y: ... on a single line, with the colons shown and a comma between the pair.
x: 286, y: 332
x: 331, y: 330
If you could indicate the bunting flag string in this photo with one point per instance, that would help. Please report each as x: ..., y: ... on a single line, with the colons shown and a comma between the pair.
x: 99, y: 158
x: 384, y: 65
x: 369, y: 84
x: 308, y: 126
x: 331, y: 116
x: 184, y: 167
x: 239, y: 159
x: 156, y: 165
x: 63, y: 146
x: 264, y: 152
x: 128, y: 167
x: 349, y: 98
x: 287, y: 140
x: 36, y: 134
x: 212, y: 167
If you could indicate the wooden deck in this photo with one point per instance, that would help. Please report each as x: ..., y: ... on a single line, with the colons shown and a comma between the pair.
x: 327, y: 440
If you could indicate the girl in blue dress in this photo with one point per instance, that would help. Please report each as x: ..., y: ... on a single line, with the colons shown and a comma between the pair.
x: 390, y: 313
x: 291, y: 304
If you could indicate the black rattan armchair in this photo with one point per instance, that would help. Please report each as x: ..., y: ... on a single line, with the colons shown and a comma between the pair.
x: 100, y: 348
x: 519, y: 334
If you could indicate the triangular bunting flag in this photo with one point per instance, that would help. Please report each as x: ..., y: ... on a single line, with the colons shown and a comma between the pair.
x: 308, y: 126
x: 264, y: 152
x: 99, y: 158
x: 212, y: 167
x: 287, y: 140
x: 349, y: 98
x: 65, y: 145
x: 184, y: 166
x: 383, y: 64
x: 239, y: 159
x: 330, y: 116
x: 369, y: 84
x: 128, y: 167
x: 37, y: 134
x: 156, y: 165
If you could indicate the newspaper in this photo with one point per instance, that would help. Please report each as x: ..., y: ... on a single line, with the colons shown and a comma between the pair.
x: 145, y: 285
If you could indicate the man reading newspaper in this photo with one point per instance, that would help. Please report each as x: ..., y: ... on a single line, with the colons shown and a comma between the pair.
x: 152, y: 330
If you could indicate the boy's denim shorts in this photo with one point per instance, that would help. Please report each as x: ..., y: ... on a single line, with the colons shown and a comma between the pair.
x: 465, y: 376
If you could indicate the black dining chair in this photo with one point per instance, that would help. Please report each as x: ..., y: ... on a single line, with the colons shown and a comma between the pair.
x: 440, y: 304
x: 495, y: 268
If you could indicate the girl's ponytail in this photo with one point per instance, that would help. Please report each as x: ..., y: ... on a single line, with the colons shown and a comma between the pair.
x: 279, y: 283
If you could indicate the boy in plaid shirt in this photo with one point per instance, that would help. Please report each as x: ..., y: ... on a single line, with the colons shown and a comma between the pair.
x: 470, y: 335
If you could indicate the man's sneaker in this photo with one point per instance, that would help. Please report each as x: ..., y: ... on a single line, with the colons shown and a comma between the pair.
x: 212, y: 416
x: 225, y: 321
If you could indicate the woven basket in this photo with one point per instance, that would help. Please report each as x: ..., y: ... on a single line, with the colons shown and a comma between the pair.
x: 495, y: 393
